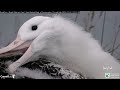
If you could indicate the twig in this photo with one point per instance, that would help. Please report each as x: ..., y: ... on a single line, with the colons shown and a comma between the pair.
x: 77, y: 16
x: 110, y: 51
x: 106, y: 45
x: 114, y: 42
x: 101, y: 12
x: 103, y: 28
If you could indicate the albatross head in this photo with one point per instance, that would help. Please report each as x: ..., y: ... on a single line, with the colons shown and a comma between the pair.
x: 26, y: 34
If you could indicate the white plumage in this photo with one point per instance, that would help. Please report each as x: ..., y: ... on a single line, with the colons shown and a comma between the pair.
x: 67, y: 44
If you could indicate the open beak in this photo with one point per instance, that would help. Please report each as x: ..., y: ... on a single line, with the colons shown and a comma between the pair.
x: 16, y: 45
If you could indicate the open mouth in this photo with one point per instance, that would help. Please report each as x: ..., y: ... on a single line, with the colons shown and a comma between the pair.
x: 16, y: 45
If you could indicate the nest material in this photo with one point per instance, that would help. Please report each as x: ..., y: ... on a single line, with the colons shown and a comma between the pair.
x: 42, y: 64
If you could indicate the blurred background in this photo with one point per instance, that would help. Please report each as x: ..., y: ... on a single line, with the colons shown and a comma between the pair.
x: 104, y: 26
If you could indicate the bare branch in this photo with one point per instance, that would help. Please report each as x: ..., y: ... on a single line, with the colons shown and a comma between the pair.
x: 114, y: 42
x: 101, y: 13
x: 113, y: 50
x: 78, y: 13
x: 92, y: 15
x: 103, y: 28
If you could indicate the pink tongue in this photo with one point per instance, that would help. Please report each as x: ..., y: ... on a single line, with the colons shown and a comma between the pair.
x: 22, y: 50
x: 24, y: 45
x: 14, y: 52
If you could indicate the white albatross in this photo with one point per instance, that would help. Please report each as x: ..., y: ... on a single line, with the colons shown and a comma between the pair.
x: 60, y: 38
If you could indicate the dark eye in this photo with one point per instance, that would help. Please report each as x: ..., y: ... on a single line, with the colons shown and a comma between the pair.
x: 34, y: 27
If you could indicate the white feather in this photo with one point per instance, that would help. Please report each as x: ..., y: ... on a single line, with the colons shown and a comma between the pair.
x: 76, y: 49
x: 69, y: 45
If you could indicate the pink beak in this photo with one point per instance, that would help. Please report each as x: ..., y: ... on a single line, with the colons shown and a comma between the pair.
x: 17, y: 44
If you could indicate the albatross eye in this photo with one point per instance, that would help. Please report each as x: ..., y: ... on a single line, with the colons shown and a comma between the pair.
x: 34, y: 27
